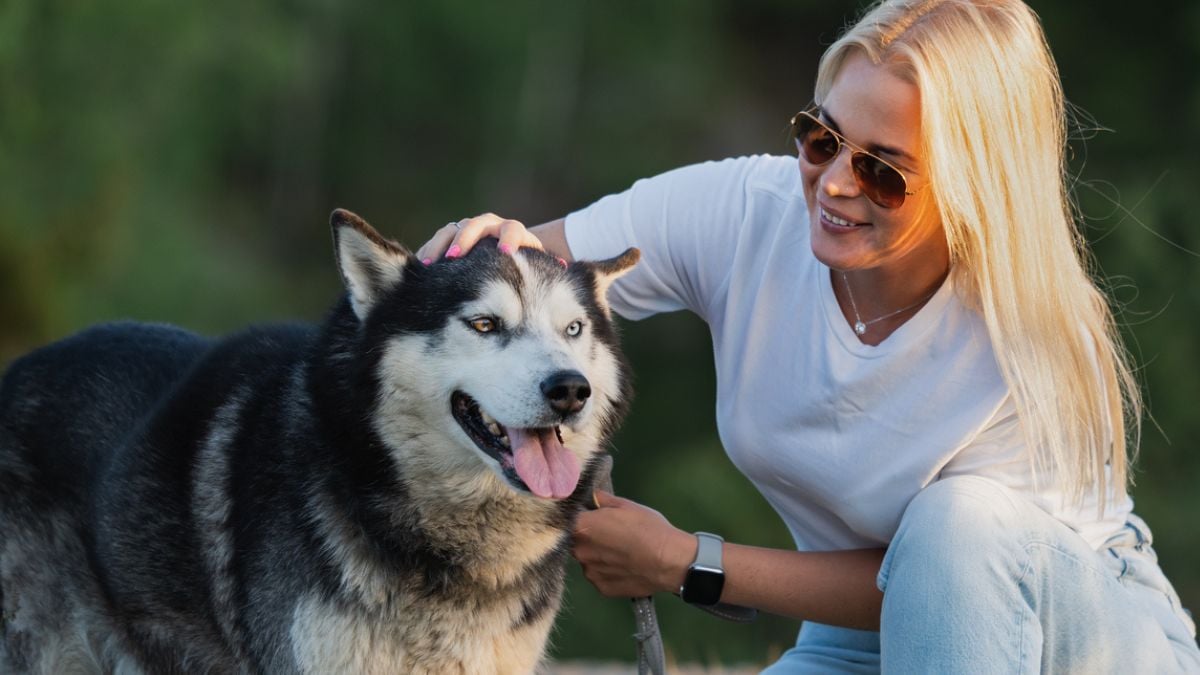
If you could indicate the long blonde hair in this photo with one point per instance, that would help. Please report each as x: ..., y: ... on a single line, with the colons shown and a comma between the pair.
x: 994, y: 130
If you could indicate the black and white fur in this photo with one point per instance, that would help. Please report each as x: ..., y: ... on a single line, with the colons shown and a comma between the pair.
x: 300, y: 498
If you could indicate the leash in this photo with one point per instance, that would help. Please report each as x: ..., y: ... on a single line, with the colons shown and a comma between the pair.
x: 651, y: 658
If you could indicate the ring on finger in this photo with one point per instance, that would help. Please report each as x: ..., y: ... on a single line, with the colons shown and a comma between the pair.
x: 456, y: 223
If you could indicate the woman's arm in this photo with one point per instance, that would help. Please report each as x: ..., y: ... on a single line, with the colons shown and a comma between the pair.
x: 455, y: 239
x: 629, y: 550
x: 831, y: 587
x: 553, y: 236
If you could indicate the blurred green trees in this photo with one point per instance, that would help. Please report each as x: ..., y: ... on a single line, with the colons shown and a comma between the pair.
x: 177, y: 162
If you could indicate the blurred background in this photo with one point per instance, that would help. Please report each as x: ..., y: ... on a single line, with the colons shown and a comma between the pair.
x: 177, y: 162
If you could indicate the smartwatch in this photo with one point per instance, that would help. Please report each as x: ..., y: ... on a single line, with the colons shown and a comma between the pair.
x: 705, y: 576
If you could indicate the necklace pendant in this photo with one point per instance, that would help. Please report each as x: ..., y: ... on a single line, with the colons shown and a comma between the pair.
x: 859, y: 327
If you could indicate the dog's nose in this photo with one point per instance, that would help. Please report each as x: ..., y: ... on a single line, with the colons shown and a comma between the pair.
x: 566, y: 391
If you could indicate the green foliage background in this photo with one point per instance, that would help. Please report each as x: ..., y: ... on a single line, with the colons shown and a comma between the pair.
x: 177, y: 161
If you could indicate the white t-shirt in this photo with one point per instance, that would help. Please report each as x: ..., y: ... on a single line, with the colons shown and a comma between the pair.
x: 837, y: 435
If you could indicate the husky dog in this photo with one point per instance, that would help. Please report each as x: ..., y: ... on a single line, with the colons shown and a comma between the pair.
x: 388, y: 492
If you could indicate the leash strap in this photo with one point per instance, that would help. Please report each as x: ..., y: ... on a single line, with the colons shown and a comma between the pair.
x: 651, y: 658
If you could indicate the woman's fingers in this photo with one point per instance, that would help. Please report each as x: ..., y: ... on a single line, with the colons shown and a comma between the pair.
x: 608, y: 499
x: 616, y: 586
x: 513, y: 236
x: 438, y: 244
x: 456, y: 239
x: 471, y: 230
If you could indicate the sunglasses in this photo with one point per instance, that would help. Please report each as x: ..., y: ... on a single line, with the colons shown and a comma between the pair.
x: 881, y: 182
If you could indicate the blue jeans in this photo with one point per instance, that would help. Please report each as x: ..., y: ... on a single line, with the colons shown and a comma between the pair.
x: 980, y: 580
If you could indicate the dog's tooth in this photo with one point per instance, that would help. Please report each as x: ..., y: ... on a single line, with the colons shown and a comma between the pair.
x: 505, y: 442
x: 487, y: 419
x: 494, y: 428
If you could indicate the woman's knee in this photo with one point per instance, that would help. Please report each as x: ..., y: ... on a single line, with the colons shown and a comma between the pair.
x: 963, y: 502
x: 956, y: 524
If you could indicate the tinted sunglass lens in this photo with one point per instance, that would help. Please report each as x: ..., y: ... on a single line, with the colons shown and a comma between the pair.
x: 815, y: 141
x: 881, y: 183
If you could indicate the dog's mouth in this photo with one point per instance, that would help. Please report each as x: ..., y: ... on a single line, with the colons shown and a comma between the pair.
x: 531, y: 458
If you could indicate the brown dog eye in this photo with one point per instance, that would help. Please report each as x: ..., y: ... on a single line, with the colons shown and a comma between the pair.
x: 483, y: 324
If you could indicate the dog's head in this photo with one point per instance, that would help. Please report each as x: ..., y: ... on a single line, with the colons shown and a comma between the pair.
x: 495, y: 368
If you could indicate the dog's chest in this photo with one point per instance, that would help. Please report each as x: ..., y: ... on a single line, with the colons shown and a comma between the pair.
x: 425, y: 638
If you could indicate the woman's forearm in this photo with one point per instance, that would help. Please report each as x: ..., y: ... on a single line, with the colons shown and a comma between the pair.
x: 630, y: 550
x: 553, y: 236
x: 830, y: 587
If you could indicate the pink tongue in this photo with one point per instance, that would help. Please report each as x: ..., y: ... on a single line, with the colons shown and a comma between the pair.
x: 548, y: 469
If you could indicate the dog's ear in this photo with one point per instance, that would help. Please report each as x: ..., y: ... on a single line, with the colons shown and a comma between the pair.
x: 370, y: 264
x: 608, y: 271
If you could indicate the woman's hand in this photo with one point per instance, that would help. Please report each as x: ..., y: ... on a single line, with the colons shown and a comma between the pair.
x: 629, y: 550
x: 455, y: 239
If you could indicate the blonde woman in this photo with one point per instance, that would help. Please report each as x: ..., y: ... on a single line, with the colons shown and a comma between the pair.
x: 914, y: 367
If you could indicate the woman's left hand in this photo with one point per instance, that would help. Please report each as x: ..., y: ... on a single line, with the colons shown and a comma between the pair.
x: 629, y: 550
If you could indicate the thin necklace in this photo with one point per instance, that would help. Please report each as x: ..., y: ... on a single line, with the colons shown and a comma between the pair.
x: 860, y: 326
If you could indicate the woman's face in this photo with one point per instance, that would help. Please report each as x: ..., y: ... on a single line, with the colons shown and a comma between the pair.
x: 881, y: 113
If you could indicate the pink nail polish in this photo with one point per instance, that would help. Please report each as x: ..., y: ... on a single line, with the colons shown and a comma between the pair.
x: 505, y: 249
x: 454, y: 252
x: 427, y: 261
x: 563, y: 262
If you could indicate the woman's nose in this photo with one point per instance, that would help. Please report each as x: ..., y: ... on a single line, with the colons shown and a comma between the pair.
x: 837, y: 180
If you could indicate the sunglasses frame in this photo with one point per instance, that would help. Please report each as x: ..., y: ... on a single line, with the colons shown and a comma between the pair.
x: 854, y: 150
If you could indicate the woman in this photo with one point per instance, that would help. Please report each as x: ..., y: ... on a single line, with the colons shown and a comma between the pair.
x: 914, y: 367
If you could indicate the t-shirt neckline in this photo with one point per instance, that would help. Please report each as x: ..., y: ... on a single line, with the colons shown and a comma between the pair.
x: 912, y: 330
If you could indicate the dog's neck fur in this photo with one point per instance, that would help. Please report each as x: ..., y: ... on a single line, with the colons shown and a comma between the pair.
x: 490, y: 542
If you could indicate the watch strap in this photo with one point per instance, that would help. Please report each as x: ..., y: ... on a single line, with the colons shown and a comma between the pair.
x: 729, y: 612
x: 708, y: 550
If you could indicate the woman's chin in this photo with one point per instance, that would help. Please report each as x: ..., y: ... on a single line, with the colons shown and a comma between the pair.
x: 834, y: 253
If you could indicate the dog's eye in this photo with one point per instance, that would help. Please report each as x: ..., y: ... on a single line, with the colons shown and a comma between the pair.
x: 574, y: 328
x: 484, y: 324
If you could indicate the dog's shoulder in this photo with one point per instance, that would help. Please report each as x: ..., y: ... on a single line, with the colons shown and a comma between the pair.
x: 261, y: 348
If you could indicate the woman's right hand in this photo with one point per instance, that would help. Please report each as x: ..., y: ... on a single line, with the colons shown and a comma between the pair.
x: 455, y: 239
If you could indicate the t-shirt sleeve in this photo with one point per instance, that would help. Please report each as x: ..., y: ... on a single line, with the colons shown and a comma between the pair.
x: 685, y: 222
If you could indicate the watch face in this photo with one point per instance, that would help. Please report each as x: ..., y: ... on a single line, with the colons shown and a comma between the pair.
x: 702, y: 586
